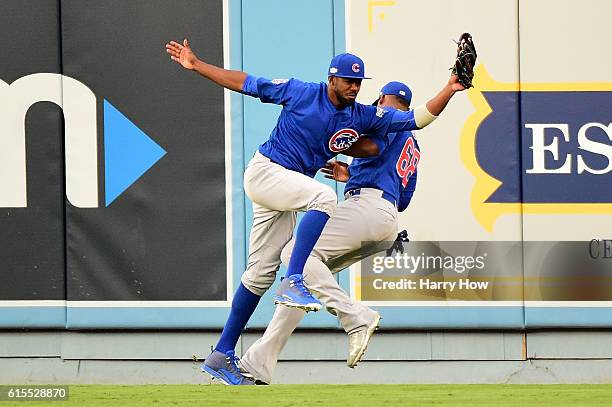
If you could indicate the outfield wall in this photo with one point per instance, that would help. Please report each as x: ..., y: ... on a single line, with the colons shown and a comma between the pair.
x: 124, y: 358
x: 121, y: 202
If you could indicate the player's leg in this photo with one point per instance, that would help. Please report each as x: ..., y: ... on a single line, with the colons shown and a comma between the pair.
x: 357, y: 320
x: 278, y: 188
x: 358, y: 226
x: 262, y: 356
x: 343, y: 237
x: 340, y: 237
x: 270, y: 232
x: 380, y: 234
x: 306, y: 237
x: 320, y: 280
x: 339, y: 263
x: 360, y: 220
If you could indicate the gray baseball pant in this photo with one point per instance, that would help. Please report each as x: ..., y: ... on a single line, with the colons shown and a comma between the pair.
x: 277, y: 193
x: 363, y: 218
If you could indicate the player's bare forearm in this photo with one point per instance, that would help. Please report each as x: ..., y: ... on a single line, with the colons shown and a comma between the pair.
x: 437, y: 104
x: 232, y: 80
x: 425, y: 114
x: 364, y: 147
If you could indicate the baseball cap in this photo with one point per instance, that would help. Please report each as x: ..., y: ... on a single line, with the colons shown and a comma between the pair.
x: 347, y: 66
x: 396, y: 89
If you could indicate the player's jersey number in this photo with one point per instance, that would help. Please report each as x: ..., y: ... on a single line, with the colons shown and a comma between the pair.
x: 408, y: 160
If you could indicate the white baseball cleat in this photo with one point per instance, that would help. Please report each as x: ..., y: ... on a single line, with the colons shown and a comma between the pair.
x: 358, y: 342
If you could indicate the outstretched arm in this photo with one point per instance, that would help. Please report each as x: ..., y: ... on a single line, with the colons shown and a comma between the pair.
x: 437, y: 104
x: 419, y: 117
x: 428, y: 112
x: 183, y: 55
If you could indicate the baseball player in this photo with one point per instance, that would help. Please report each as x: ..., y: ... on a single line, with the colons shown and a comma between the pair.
x: 317, y: 122
x: 376, y: 190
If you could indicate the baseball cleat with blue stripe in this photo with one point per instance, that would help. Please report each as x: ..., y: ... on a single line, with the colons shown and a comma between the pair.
x: 293, y: 293
x: 222, y: 366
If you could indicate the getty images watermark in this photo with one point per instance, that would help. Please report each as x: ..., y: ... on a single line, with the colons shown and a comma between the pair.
x: 423, y: 263
x: 433, y: 270
x: 488, y: 271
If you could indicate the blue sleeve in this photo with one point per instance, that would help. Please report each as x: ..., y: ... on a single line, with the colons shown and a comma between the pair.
x: 383, y: 121
x: 277, y: 91
x: 402, y: 121
x: 406, y: 195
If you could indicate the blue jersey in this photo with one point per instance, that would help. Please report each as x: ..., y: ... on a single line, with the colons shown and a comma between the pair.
x: 393, y: 171
x: 311, y: 130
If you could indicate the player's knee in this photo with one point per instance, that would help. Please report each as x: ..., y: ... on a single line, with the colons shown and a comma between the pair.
x: 248, y: 183
x: 324, y: 200
x: 257, y: 286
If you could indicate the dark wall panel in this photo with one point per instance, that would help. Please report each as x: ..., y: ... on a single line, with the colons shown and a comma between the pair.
x: 163, y: 238
x: 32, y: 238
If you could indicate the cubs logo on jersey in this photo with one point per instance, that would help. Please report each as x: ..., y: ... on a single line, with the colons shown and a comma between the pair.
x: 342, y: 139
x: 538, y: 148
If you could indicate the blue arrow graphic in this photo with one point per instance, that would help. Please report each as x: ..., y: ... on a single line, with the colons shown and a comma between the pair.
x: 128, y: 152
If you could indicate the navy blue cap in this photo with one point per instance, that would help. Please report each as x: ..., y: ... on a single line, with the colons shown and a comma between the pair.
x: 347, y: 66
x: 396, y: 89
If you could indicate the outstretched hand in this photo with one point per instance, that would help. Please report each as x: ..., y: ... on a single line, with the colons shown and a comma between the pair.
x: 454, y: 84
x: 181, y: 54
x: 336, y: 170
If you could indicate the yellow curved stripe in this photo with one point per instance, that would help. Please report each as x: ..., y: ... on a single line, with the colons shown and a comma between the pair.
x: 488, y: 213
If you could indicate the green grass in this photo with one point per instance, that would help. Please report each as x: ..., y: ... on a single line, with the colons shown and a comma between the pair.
x: 334, y: 395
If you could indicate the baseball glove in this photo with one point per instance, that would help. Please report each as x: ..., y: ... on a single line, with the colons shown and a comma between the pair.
x: 465, y: 61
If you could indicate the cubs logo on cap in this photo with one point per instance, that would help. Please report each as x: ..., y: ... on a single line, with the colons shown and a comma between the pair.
x: 347, y: 66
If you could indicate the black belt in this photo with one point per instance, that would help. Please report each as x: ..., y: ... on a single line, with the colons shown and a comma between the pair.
x: 357, y: 191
